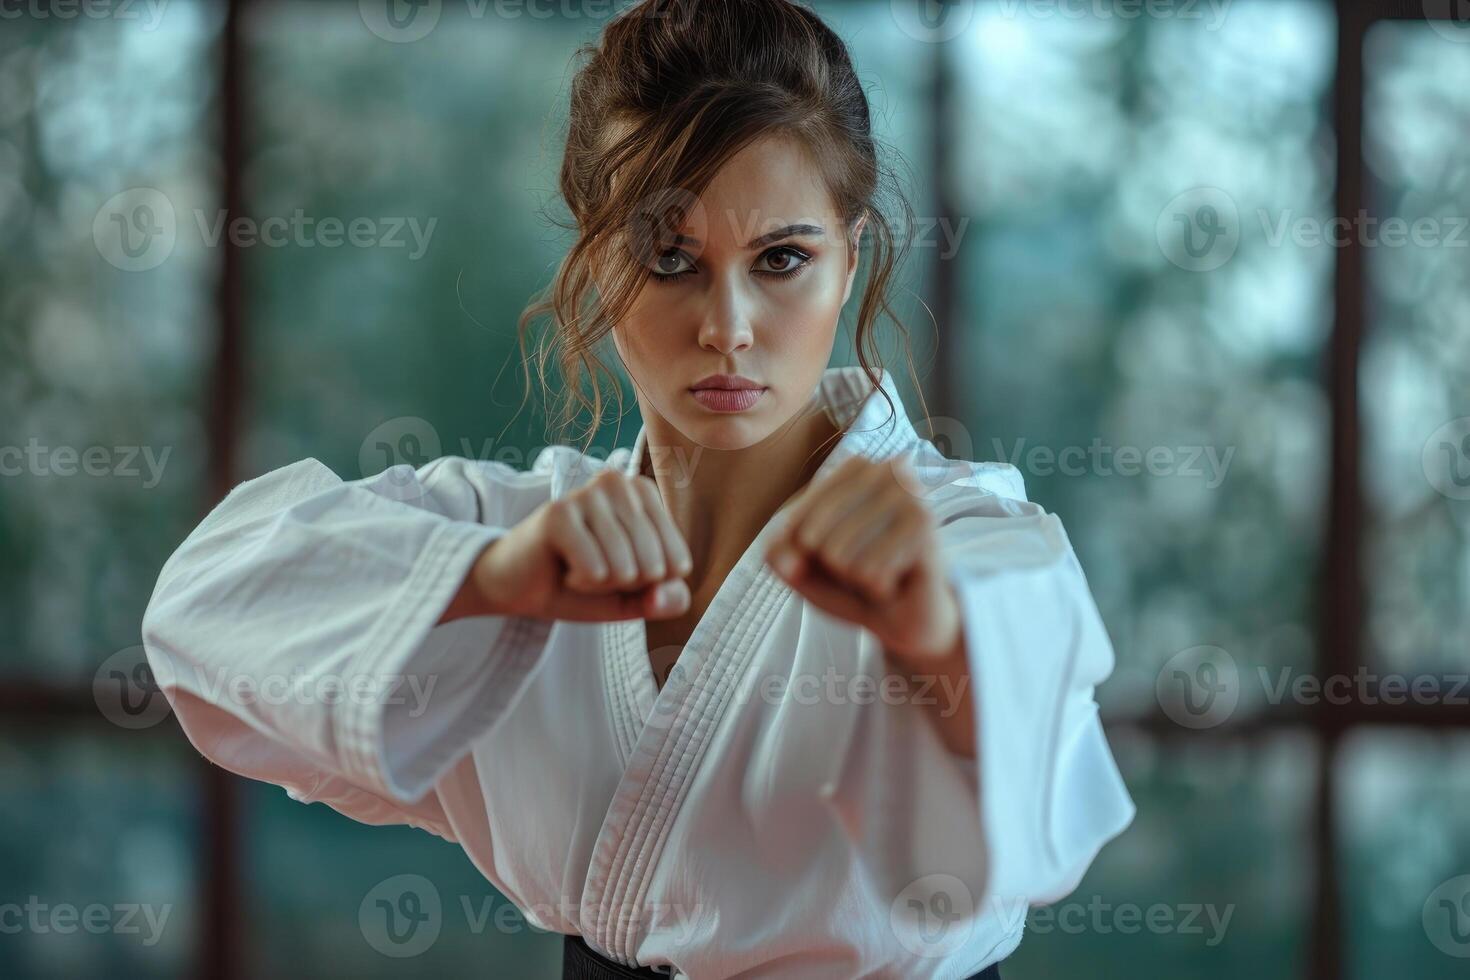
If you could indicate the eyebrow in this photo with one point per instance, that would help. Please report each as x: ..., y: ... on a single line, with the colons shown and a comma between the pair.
x: 771, y: 236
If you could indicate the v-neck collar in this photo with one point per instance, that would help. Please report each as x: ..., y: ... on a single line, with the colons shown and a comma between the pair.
x: 661, y: 735
x: 855, y: 408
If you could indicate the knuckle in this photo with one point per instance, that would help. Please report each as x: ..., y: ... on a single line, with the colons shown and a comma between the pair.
x: 806, y: 536
x: 868, y: 575
x: 560, y: 511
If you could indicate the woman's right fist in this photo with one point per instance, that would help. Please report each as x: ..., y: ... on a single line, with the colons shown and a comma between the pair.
x: 608, y: 550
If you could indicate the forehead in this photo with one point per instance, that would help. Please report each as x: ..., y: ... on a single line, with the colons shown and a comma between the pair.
x: 769, y: 184
x: 772, y: 183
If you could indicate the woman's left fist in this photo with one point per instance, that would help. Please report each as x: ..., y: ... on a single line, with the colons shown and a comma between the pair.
x: 861, y: 545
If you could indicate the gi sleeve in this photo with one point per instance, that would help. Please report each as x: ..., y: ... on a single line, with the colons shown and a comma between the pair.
x: 1050, y: 793
x: 293, y: 632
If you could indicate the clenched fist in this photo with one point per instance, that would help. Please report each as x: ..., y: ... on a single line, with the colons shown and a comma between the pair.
x: 608, y: 550
x: 861, y: 545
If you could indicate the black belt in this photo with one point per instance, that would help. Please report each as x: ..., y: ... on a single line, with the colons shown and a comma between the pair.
x: 580, y: 962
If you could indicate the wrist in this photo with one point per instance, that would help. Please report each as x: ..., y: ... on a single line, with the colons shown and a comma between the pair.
x: 472, y: 599
x: 489, y: 593
x: 943, y: 646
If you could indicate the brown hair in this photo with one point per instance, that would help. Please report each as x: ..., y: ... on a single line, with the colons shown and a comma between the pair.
x: 672, y: 90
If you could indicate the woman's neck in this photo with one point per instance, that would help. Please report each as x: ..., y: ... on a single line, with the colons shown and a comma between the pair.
x: 721, y: 499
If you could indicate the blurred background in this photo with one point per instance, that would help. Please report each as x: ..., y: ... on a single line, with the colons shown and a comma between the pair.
x: 1201, y: 270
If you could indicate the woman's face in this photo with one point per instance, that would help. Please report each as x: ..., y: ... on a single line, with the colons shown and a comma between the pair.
x: 752, y: 287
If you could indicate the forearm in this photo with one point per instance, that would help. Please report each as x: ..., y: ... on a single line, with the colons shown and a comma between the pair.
x: 948, y: 702
x: 471, y: 599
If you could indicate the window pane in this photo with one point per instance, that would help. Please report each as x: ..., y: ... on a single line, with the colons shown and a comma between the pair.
x: 1135, y: 335
x: 1404, y: 819
x: 97, y: 856
x: 332, y: 897
x: 1415, y: 378
x: 1213, y: 879
x: 895, y: 68
x: 396, y: 341
x: 105, y: 323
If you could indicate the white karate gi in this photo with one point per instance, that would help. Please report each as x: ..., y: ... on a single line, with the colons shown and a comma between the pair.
x: 766, y: 814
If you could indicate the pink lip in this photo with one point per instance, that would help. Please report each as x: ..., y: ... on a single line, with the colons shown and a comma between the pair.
x: 727, y: 392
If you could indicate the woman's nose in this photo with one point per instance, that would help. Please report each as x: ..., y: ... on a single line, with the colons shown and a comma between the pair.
x: 726, y: 334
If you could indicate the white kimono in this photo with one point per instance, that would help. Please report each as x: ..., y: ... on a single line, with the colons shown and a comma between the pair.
x: 773, y: 811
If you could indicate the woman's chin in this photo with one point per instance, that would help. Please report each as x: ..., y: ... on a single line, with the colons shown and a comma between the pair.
x: 725, y: 432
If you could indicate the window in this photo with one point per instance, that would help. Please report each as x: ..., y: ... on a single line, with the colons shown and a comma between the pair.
x: 1161, y: 253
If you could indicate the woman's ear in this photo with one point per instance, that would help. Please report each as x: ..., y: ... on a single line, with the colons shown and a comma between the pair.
x: 854, y: 247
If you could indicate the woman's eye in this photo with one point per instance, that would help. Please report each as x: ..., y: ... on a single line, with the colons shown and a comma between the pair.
x: 782, y: 262
x: 666, y: 266
x: 785, y: 261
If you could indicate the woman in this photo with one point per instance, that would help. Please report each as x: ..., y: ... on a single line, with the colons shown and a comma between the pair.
x: 779, y: 691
